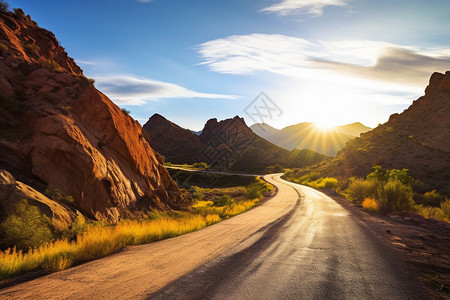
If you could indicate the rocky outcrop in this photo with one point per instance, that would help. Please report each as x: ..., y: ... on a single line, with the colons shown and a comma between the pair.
x: 58, y: 130
x: 12, y: 191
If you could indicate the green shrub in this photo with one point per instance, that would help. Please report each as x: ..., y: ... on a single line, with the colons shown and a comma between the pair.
x: 253, y: 192
x: 257, y: 189
x: 390, y: 175
x: 26, y: 227
x: 32, y: 48
x: 51, y: 65
x: 224, y: 200
x: 200, y: 165
x: 196, y: 193
x: 125, y: 111
x: 359, y: 189
x: 394, y: 196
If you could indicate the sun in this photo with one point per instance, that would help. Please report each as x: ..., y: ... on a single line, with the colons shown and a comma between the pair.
x: 324, y: 125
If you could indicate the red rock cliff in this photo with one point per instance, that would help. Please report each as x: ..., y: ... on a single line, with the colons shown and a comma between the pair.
x: 57, y: 129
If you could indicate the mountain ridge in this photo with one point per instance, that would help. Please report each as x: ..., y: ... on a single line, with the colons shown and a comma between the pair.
x: 306, y: 135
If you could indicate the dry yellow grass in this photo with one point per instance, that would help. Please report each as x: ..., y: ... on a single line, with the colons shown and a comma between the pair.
x: 97, y: 242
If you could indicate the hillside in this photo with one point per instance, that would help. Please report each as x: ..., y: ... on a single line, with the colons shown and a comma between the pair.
x: 307, y: 136
x: 417, y: 139
x: 58, y: 133
x: 228, y: 144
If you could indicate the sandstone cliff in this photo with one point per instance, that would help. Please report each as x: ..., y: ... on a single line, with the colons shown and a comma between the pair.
x: 58, y: 130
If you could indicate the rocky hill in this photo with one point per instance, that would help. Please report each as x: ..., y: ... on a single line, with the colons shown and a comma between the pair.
x: 228, y: 144
x: 417, y: 139
x: 59, y: 133
x: 179, y: 145
x: 308, y: 136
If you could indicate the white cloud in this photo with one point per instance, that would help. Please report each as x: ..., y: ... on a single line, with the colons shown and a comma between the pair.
x: 129, y: 90
x: 357, y: 61
x: 314, y: 7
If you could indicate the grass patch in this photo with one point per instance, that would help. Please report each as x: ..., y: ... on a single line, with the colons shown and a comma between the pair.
x: 99, y: 241
x: 313, y: 179
x: 51, y: 65
x: 87, y: 241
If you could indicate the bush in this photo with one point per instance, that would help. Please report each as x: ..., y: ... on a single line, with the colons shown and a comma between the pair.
x: 257, y: 189
x: 224, y: 200
x: 196, y: 193
x: 359, y: 189
x: 91, y: 81
x: 370, y: 205
x: 26, y: 227
x: 390, y: 175
x: 4, y: 6
x: 32, y: 48
x: 125, y: 111
x: 253, y: 192
x: 51, y: 65
x: 432, y: 198
x: 200, y: 165
x: 445, y: 208
x: 394, y: 196
x: 439, y: 213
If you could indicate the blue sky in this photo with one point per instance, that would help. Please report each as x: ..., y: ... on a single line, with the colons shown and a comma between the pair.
x: 326, y: 61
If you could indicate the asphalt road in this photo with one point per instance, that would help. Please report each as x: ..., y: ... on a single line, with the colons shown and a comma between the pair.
x: 300, y: 244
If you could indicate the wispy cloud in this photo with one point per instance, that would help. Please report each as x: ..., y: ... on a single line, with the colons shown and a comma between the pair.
x: 372, y: 61
x: 130, y: 90
x: 314, y: 7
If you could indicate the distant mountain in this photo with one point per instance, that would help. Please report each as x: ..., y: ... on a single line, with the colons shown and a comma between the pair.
x: 228, y: 144
x: 308, y: 136
x: 417, y: 139
x: 354, y: 129
x: 264, y: 130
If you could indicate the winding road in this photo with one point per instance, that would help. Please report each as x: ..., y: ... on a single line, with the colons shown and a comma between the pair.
x: 300, y: 244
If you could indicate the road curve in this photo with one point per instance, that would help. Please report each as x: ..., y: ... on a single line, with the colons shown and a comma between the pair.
x: 300, y: 244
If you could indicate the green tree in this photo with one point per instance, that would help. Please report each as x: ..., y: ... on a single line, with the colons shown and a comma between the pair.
x: 26, y: 227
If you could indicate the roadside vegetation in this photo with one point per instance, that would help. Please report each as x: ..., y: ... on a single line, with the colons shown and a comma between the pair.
x: 34, y: 247
x: 382, y: 191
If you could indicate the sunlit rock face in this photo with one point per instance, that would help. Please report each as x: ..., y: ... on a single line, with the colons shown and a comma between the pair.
x: 58, y: 130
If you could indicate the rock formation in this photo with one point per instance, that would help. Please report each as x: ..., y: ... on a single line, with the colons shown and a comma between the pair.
x: 58, y: 130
